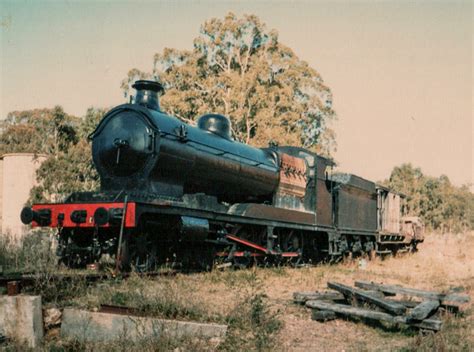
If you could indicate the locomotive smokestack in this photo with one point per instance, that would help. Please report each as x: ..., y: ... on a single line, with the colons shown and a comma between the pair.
x: 148, y: 93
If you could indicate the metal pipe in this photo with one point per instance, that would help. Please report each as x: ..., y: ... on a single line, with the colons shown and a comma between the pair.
x: 122, y: 226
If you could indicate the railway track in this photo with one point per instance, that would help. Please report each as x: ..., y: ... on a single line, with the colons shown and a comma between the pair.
x: 16, y: 282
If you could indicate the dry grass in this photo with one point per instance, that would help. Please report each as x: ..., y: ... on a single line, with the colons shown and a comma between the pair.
x: 257, y: 303
x: 233, y: 298
x: 444, y: 262
x: 31, y: 253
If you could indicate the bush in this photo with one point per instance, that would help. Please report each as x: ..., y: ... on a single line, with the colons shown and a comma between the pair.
x: 252, y: 325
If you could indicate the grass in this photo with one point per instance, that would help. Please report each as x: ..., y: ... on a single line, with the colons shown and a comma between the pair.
x: 456, y: 335
x: 33, y: 253
x: 256, y: 304
x: 151, y: 344
x: 235, y: 298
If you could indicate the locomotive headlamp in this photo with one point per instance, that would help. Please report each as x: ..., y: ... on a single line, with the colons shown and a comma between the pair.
x: 27, y: 215
x: 42, y: 216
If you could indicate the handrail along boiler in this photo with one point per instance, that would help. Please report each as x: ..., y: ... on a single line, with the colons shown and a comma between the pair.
x: 195, y: 196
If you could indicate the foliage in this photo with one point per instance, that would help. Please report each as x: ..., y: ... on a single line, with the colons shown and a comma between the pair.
x: 65, y: 173
x: 438, y: 202
x: 252, y: 325
x: 46, y: 131
x: 70, y: 170
x: 63, y: 139
x: 240, y: 69
x: 32, y: 253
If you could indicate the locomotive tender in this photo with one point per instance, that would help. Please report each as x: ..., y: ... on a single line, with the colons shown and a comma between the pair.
x: 172, y: 193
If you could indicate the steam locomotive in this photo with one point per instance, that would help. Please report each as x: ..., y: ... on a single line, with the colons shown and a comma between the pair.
x: 191, y: 196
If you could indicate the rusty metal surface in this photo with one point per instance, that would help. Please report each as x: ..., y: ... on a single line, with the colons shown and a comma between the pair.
x: 13, y: 288
x: 412, y: 228
x: 122, y: 310
x: 292, y: 175
x: 353, y: 181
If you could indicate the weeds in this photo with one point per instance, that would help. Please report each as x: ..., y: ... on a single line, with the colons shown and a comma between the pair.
x: 32, y: 253
x: 168, y: 298
x: 249, y: 301
x: 57, y: 290
x: 252, y: 324
x: 255, y: 327
x: 455, y: 336
x: 152, y: 343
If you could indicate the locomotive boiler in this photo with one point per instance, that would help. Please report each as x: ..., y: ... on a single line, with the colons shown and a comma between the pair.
x: 136, y: 146
x: 182, y: 195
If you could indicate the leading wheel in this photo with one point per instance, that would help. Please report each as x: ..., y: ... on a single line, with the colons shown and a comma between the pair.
x: 138, y: 253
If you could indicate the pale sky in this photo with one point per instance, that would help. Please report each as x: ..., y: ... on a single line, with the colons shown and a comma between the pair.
x: 400, y: 72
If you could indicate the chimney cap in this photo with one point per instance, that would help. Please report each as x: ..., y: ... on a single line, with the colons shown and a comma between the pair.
x: 143, y: 84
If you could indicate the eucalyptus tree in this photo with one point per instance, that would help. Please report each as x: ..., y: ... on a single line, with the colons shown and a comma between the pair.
x: 240, y: 69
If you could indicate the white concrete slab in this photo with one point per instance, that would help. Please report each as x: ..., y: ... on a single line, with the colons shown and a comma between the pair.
x: 92, y: 326
x: 21, y: 319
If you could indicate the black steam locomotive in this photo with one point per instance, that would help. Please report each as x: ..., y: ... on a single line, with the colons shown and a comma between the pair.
x: 176, y: 194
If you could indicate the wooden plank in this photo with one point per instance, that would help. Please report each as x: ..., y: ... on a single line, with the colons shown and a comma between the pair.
x: 451, y: 297
x: 392, y: 307
x: 423, y: 310
x: 375, y: 293
x: 302, y: 297
x: 349, y: 311
x: 413, y: 304
x: 408, y: 304
x: 322, y: 315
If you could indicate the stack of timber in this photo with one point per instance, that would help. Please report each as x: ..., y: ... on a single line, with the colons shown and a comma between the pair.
x: 376, y: 302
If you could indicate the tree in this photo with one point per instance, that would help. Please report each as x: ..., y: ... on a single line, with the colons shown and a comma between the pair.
x: 240, y: 69
x: 63, y: 139
x: 407, y: 179
x: 90, y: 122
x: 69, y: 172
x: 437, y: 201
x: 46, y: 131
x: 72, y: 170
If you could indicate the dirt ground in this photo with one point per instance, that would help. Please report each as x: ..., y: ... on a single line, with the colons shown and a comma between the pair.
x: 443, y: 262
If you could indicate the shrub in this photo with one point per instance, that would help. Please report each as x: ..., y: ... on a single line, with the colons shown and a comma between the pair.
x: 34, y: 252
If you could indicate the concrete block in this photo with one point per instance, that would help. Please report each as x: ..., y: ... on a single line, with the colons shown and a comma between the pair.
x: 92, y: 326
x: 21, y: 319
